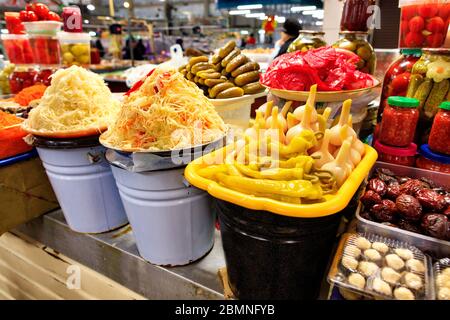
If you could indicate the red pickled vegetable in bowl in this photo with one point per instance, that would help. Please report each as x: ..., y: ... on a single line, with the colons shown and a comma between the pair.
x: 330, y: 68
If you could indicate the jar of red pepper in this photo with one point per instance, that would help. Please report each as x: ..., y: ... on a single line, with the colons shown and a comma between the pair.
x: 439, y: 139
x: 396, y: 79
x: 401, y: 156
x: 399, y: 121
x: 430, y: 160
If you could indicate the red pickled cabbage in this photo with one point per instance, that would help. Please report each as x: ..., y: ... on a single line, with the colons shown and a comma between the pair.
x: 331, y: 69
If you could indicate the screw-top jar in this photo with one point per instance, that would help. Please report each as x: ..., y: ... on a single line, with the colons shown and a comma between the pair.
x: 308, y: 40
x: 439, y: 139
x: 399, y: 121
x: 396, y: 79
x: 401, y: 156
x: 432, y: 161
x: 357, y: 42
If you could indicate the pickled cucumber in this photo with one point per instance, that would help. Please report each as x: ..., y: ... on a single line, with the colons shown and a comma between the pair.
x: 414, y: 82
x: 437, y: 95
x: 423, y: 91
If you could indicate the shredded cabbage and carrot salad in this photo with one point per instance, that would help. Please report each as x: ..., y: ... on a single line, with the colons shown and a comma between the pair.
x: 167, y: 112
x: 76, y: 100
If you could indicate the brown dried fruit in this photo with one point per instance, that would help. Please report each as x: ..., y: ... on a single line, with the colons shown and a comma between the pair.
x: 431, y: 200
x: 384, y: 211
x: 409, y: 226
x: 412, y: 186
x: 447, y: 212
x: 366, y: 215
x: 393, y: 191
x: 378, y: 186
x: 370, y: 198
x: 409, y: 207
x: 403, y: 180
x: 447, y: 199
x: 436, y: 225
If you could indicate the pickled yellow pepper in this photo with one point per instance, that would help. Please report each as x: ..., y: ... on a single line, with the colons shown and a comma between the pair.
x: 293, y: 188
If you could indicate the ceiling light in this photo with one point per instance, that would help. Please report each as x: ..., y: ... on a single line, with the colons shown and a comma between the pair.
x: 311, y: 12
x: 92, y: 33
x: 86, y: 21
x: 250, y: 6
x: 303, y: 8
x: 90, y: 7
x: 280, y: 19
x: 126, y: 4
x: 238, y: 12
x: 244, y: 32
x: 255, y: 15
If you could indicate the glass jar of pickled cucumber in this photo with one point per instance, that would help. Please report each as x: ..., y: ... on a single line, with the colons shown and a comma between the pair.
x: 308, y: 40
x: 430, y: 84
x: 356, y: 41
x: 75, y: 48
x: 430, y: 81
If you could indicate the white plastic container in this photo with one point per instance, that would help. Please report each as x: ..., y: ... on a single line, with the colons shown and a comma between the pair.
x: 236, y: 111
x: 172, y: 221
x: 435, y: 247
x: 85, y: 188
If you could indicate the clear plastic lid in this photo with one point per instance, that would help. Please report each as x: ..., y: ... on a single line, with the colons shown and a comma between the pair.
x: 404, y: 3
x: 13, y: 36
x: 442, y: 279
x: 73, y: 37
x: 382, y: 268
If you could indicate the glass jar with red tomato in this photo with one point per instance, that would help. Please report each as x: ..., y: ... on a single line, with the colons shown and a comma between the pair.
x: 22, y: 77
x: 18, y: 48
x: 430, y: 160
x: 356, y: 14
x: 399, y: 121
x: 439, y: 139
x: 424, y: 23
x: 396, y: 79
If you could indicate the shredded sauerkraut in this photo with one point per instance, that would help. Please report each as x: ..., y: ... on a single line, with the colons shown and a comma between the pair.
x: 77, y: 100
x: 166, y: 112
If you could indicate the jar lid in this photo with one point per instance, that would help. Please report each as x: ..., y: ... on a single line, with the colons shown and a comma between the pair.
x: 426, y: 152
x: 354, y: 32
x: 445, y: 105
x: 411, y: 52
x: 312, y: 32
x: 74, y: 36
x: 403, y: 102
x: 408, y: 151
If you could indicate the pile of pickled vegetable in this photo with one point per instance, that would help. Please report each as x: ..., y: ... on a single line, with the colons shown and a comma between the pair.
x: 330, y: 68
x: 290, y: 156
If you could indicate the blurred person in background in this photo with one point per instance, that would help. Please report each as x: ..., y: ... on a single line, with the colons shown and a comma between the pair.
x: 251, y: 40
x: 289, y: 33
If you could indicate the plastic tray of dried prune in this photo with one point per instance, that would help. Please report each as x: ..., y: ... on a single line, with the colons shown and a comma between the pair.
x: 436, y: 248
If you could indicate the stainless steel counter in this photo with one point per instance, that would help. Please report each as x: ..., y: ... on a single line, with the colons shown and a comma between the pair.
x: 114, y: 255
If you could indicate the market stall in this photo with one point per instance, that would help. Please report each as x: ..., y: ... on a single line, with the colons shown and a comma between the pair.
x: 233, y: 175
